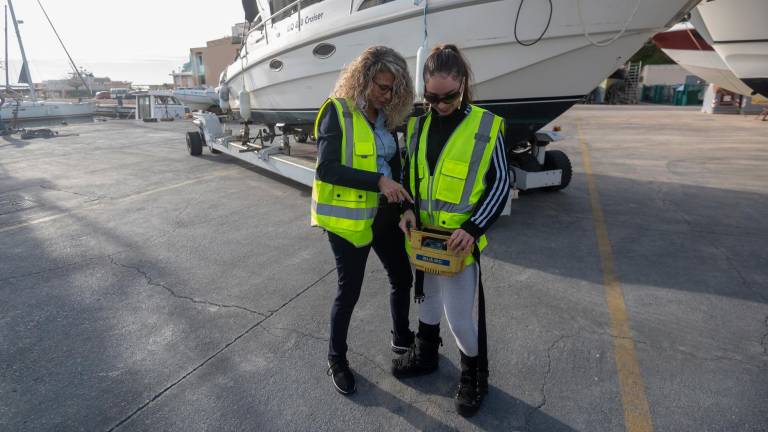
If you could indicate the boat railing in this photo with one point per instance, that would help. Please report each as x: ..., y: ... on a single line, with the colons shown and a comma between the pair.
x: 261, y: 26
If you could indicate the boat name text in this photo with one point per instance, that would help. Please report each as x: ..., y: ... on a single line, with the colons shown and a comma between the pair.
x: 307, y: 19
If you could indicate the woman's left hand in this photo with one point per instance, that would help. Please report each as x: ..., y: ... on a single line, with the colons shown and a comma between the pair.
x: 461, y: 242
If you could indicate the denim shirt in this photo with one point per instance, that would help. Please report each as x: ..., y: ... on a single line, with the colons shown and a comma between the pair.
x: 385, y: 145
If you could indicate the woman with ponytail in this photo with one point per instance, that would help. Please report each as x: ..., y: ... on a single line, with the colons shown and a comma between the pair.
x: 456, y: 171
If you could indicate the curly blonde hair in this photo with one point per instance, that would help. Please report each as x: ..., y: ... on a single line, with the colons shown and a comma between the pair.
x: 355, y: 81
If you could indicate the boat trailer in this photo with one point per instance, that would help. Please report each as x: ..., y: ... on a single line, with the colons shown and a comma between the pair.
x: 257, y: 150
x: 531, y: 165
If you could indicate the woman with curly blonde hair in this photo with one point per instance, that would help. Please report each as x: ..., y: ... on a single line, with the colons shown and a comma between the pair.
x: 356, y: 194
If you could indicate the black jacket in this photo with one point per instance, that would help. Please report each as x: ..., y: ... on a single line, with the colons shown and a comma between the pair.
x: 330, y: 170
x: 491, y: 203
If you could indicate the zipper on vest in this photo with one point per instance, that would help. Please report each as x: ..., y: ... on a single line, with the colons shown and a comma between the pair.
x: 439, y: 163
x: 429, y: 197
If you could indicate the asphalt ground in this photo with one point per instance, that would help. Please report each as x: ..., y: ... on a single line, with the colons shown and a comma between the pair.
x: 145, y: 289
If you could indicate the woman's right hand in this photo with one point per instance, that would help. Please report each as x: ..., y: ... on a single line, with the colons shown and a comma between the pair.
x: 394, y: 191
x: 407, y: 221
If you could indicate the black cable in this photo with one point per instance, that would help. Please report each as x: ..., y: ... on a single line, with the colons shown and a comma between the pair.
x: 517, y: 18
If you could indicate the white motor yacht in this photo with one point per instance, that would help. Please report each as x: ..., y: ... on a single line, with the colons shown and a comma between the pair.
x: 688, y: 48
x: 532, y: 60
x: 737, y: 31
x: 197, y: 99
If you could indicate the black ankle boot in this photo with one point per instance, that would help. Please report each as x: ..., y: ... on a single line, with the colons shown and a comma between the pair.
x: 421, y: 358
x: 470, y: 395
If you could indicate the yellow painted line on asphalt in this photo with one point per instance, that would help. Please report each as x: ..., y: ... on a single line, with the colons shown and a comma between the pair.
x: 117, y: 200
x: 637, y: 417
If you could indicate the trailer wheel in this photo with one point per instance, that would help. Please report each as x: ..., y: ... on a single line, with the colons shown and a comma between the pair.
x: 556, y: 159
x: 194, y: 143
x: 205, y: 144
x: 302, y: 137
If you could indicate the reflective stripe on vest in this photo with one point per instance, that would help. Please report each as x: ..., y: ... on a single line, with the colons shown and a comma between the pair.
x: 344, y: 211
x: 459, y: 173
x: 349, y: 136
x: 482, y: 139
x: 414, y: 136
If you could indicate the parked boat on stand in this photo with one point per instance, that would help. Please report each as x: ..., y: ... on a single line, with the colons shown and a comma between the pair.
x: 198, y: 99
x: 532, y: 59
x: 688, y: 48
x: 738, y: 33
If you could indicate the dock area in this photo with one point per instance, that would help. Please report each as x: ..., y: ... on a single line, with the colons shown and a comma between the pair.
x: 111, y: 108
x: 146, y: 289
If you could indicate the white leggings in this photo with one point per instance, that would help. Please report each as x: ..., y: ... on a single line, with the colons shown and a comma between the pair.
x: 455, y: 295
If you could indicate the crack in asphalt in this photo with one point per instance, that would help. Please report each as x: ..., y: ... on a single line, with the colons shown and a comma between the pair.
x: 529, y: 415
x: 182, y: 297
x: 90, y: 198
x: 325, y: 339
x: 682, y: 351
x: 370, y: 360
x: 732, y: 263
x: 214, y: 355
x: 728, y: 258
x: 299, y: 332
x: 764, y: 339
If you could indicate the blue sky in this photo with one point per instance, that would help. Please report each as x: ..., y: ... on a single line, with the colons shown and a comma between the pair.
x: 133, y: 40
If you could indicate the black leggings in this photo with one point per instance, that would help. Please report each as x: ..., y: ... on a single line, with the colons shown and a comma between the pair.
x: 388, y: 243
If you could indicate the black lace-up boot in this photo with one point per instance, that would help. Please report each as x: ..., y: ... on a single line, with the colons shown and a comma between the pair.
x: 421, y: 358
x: 469, y: 396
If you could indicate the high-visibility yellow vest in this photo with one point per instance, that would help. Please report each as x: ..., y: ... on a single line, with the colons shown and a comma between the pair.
x: 345, y: 211
x: 449, y: 195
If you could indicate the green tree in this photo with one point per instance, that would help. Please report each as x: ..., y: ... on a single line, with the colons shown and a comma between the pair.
x: 650, y: 54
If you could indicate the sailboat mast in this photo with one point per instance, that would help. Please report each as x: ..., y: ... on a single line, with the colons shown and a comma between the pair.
x: 7, y: 81
x: 74, y: 66
x: 25, y: 66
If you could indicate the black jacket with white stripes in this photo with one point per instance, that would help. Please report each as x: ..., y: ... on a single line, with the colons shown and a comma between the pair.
x: 492, y: 202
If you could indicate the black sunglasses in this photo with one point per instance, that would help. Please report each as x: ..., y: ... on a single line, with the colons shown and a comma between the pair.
x: 447, y: 99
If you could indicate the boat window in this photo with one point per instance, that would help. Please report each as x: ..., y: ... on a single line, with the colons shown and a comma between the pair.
x: 276, y: 65
x: 277, y: 5
x: 324, y: 50
x: 372, y: 3
x: 165, y: 100
x: 251, y: 10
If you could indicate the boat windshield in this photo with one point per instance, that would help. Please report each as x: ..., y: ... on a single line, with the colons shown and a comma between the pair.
x: 278, y: 5
x: 371, y: 3
x: 166, y: 100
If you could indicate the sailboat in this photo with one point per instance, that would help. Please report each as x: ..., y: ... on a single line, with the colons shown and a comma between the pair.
x: 532, y: 60
x: 17, y: 108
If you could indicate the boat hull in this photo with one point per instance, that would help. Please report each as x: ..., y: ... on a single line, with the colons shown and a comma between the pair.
x: 688, y: 48
x: 43, y: 110
x: 740, y: 36
x: 528, y: 85
x: 198, y: 100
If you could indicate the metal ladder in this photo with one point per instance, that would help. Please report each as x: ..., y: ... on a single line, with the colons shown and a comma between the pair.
x: 632, y: 83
